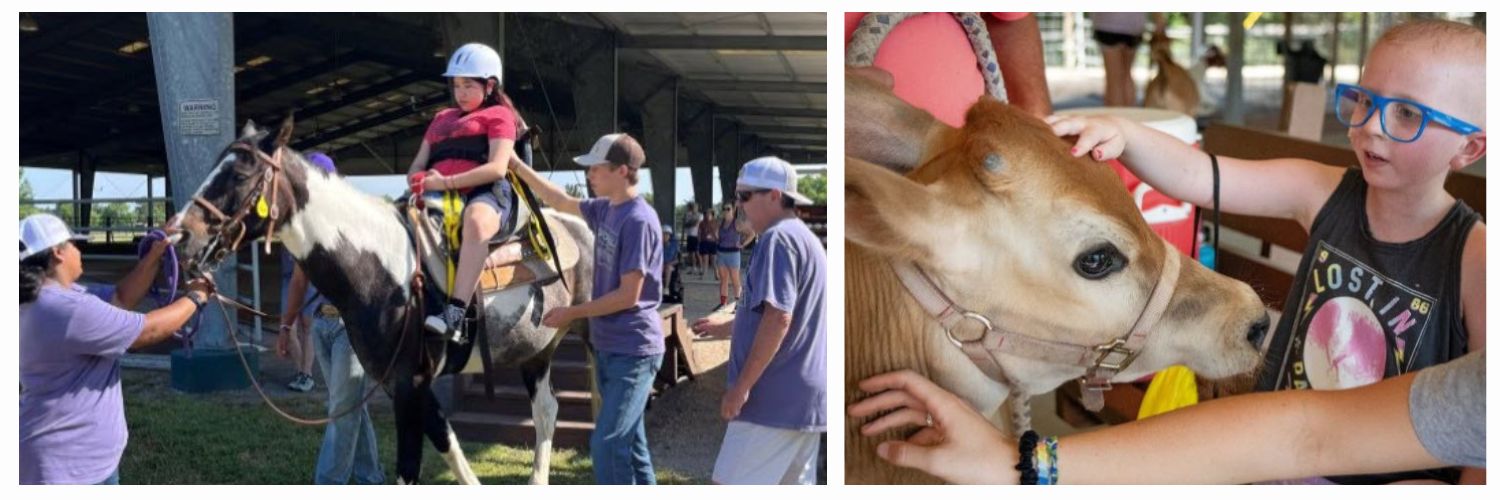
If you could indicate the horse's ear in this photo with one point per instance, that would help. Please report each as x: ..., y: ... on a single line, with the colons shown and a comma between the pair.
x: 249, y: 130
x: 284, y: 136
x: 887, y: 213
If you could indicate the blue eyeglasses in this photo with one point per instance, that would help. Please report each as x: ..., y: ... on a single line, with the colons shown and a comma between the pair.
x: 1403, y: 120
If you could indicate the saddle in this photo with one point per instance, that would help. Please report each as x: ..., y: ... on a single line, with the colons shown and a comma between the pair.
x: 519, y: 253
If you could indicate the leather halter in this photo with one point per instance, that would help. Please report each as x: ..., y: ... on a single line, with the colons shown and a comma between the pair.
x: 267, y: 180
x: 1102, y: 361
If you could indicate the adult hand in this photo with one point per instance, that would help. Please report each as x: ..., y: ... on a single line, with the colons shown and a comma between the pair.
x: 878, y: 126
x: 712, y: 326
x: 203, y: 287
x: 733, y: 402
x: 960, y: 445
x: 558, y: 318
x: 1098, y: 137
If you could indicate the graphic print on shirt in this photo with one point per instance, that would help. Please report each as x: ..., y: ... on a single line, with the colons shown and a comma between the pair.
x: 606, y: 248
x: 1356, y: 323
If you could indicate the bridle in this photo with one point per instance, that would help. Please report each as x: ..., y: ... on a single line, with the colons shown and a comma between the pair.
x: 268, y: 179
x: 214, y: 252
x: 986, y: 339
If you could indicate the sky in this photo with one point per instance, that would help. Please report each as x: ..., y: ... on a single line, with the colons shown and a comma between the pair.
x: 48, y: 183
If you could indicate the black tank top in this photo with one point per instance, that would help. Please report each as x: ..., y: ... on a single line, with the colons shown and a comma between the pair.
x: 1362, y: 310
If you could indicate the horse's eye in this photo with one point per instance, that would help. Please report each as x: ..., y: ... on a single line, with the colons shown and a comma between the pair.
x: 1099, y: 262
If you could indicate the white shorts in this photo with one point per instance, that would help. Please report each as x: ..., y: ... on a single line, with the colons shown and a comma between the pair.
x: 756, y: 454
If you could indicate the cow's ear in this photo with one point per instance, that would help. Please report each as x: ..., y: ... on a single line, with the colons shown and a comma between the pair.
x: 887, y: 213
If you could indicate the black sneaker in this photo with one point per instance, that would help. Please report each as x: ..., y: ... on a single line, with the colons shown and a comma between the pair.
x: 449, y: 324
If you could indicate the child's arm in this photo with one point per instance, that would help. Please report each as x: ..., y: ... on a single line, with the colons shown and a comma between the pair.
x: 1254, y: 437
x: 550, y: 193
x: 494, y: 170
x: 1471, y: 291
x: 419, y: 162
x: 1472, y: 287
x: 1285, y: 188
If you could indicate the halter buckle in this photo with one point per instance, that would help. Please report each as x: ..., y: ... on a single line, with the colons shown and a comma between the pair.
x: 1114, y: 356
x: 983, y: 321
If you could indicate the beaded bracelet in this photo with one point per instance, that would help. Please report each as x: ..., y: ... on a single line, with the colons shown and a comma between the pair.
x: 1026, y: 464
x: 1046, y: 460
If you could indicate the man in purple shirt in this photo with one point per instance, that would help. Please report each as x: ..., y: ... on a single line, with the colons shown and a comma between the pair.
x: 778, y: 364
x: 624, y: 327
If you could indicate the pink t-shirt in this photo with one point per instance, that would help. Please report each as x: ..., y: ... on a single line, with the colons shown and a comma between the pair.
x: 452, y: 124
x: 932, y: 62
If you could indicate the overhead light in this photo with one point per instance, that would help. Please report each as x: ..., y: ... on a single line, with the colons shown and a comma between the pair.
x: 28, y: 23
x: 257, y: 61
x: 316, y: 90
x: 133, y: 47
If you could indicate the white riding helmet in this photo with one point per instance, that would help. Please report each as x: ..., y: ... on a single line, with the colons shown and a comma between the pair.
x: 475, y: 60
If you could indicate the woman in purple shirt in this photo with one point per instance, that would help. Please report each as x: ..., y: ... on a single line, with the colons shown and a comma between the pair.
x: 728, y: 263
x: 72, y: 417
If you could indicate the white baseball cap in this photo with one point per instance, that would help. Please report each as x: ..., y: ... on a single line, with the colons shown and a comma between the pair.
x: 614, y: 149
x: 770, y: 172
x: 41, y: 232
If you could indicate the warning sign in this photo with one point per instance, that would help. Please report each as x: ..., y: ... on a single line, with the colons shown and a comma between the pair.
x: 198, y: 117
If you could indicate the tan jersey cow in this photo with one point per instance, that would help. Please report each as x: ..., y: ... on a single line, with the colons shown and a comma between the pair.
x: 1008, y: 225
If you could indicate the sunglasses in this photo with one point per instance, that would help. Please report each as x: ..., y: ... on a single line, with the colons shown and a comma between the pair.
x: 744, y: 196
x: 1403, y: 120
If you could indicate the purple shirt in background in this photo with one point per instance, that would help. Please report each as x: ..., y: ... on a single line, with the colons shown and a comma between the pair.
x: 627, y: 237
x: 72, y: 415
x: 729, y: 235
x: 788, y: 270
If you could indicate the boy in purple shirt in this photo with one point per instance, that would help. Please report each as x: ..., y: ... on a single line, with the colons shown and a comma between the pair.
x: 624, y: 327
x: 778, y: 364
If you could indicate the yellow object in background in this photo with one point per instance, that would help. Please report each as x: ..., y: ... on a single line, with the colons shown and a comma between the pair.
x: 1172, y: 388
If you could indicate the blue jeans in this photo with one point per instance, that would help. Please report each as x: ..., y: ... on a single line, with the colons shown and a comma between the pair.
x: 618, y: 443
x: 112, y: 480
x: 348, y: 441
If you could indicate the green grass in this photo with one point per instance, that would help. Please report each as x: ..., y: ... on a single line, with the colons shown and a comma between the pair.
x: 234, y: 438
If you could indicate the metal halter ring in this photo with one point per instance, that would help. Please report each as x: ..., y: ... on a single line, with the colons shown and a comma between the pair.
x: 983, y: 321
x: 1116, y: 347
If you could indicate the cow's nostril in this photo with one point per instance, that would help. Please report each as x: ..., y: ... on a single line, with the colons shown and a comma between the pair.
x: 1258, y: 330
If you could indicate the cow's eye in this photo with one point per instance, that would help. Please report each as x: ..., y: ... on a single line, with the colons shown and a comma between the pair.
x: 1099, y: 262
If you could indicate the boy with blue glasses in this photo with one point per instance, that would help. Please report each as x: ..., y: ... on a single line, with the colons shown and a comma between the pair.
x: 1392, y: 279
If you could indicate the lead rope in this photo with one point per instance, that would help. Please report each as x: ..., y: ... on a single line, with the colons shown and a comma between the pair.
x: 874, y: 27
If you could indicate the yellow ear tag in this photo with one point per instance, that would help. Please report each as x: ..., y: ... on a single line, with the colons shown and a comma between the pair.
x: 260, y: 207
